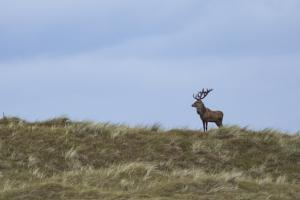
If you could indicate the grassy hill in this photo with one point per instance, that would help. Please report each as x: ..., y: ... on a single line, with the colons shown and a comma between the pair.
x: 61, y: 159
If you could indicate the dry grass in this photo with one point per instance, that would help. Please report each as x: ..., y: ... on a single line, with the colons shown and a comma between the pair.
x: 61, y: 159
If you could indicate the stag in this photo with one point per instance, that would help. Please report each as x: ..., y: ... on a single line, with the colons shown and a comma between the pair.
x: 205, y: 113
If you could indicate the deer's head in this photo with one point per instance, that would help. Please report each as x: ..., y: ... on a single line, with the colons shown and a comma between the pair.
x: 200, y: 95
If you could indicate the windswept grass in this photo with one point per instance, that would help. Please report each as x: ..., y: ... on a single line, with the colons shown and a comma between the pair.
x: 62, y: 159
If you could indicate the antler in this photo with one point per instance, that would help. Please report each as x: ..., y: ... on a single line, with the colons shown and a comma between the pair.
x: 202, y: 94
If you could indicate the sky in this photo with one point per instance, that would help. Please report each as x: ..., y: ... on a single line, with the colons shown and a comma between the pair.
x: 139, y: 62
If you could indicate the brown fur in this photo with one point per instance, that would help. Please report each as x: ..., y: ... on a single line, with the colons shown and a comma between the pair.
x: 206, y: 114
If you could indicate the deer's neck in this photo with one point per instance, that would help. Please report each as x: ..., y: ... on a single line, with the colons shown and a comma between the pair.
x: 201, y: 109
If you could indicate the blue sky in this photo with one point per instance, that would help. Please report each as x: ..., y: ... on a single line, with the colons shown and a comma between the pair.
x: 139, y: 62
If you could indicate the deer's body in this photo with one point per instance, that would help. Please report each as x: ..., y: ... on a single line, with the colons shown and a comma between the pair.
x: 205, y: 113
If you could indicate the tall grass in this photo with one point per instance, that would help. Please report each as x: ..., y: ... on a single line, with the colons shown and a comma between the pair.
x: 63, y: 159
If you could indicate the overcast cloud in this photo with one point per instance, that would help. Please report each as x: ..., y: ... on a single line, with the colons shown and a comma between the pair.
x: 138, y: 62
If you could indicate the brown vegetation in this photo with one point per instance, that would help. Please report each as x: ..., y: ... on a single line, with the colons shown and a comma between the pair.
x: 86, y: 160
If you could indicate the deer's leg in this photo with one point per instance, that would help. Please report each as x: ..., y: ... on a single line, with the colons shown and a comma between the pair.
x: 221, y: 120
x: 203, y: 125
x: 206, y: 124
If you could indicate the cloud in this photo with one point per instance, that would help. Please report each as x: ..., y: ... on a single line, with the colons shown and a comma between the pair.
x: 139, y: 62
x: 63, y: 27
x: 154, y: 29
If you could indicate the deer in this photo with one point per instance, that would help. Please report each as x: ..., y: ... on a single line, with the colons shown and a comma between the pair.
x: 205, y: 113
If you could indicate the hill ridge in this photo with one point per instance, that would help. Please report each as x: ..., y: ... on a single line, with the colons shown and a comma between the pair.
x: 63, y: 159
